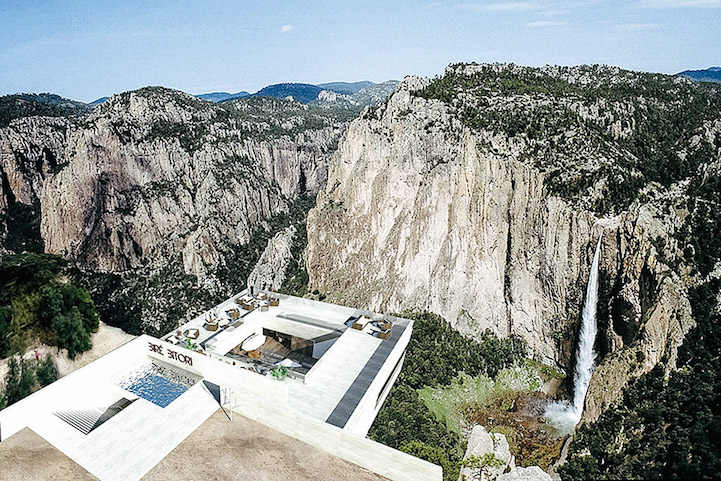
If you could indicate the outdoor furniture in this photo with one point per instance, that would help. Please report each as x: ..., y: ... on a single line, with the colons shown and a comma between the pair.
x: 248, y: 306
x: 234, y: 313
x: 359, y: 324
x: 274, y: 301
x: 262, y: 296
x: 211, y: 326
x: 192, y: 333
x: 386, y: 334
x: 263, y: 306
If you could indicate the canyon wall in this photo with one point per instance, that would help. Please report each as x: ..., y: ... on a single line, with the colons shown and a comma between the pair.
x: 423, y: 213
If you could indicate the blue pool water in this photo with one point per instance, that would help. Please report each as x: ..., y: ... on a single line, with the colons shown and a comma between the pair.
x: 157, y: 384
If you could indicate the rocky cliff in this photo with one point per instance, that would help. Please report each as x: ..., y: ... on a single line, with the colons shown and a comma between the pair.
x: 158, y: 186
x: 480, y: 195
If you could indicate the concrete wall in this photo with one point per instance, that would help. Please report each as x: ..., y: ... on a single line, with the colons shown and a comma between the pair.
x: 364, y: 415
x: 379, y: 458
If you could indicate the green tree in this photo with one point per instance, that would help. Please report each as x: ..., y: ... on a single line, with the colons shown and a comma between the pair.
x: 6, y: 315
x: 71, y: 333
x: 19, y: 380
x: 485, y: 465
x: 46, y: 372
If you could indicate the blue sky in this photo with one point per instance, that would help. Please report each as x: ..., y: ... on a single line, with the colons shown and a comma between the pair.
x: 87, y: 49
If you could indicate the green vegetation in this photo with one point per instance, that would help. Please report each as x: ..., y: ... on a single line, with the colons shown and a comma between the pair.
x: 437, y: 354
x: 25, y: 377
x: 447, y: 402
x: 669, y: 427
x: 47, y: 105
x: 483, y: 464
x: 296, y: 275
x: 38, y: 300
x: 662, y: 428
x: 279, y: 373
x: 661, y: 115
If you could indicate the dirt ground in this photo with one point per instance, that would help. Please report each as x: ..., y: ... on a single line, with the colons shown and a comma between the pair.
x: 105, y: 340
x: 28, y: 457
x: 244, y: 449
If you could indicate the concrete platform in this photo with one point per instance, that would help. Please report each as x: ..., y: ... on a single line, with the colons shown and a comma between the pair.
x: 244, y: 449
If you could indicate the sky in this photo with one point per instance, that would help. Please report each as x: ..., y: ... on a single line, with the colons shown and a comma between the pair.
x: 89, y: 49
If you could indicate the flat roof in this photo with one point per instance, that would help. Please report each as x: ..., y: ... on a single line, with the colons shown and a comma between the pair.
x: 344, y: 373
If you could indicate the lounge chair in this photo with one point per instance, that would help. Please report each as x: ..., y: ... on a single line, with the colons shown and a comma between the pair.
x: 248, y: 306
x: 386, y: 334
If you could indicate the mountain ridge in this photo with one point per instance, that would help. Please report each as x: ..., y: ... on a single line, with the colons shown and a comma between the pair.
x: 711, y: 74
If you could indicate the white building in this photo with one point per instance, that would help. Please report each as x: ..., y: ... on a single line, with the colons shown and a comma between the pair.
x: 311, y: 370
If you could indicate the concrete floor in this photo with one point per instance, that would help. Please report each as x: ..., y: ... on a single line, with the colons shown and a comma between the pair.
x: 27, y: 456
x: 244, y: 449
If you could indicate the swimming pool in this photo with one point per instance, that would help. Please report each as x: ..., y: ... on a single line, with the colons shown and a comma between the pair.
x: 156, y: 383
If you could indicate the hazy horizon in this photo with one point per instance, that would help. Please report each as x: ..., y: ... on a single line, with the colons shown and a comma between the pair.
x: 86, y: 50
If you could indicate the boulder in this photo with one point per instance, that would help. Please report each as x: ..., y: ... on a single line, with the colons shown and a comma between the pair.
x: 532, y: 473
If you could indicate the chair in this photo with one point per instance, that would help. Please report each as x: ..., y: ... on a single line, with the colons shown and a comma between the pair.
x: 211, y: 326
x: 192, y: 333
x: 248, y: 306
x: 359, y: 324
x: 385, y: 335
x: 274, y: 301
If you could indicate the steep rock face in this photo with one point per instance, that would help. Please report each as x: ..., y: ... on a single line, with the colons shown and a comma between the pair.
x: 269, y: 272
x: 423, y: 212
x: 152, y: 175
x: 646, y: 313
x: 416, y: 216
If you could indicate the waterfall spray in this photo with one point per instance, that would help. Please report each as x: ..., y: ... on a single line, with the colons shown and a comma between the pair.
x: 564, y: 416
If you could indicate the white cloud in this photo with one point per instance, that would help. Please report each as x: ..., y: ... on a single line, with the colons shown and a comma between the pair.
x: 638, y: 27
x: 680, y: 3
x: 546, y: 23
x: 286, y: 28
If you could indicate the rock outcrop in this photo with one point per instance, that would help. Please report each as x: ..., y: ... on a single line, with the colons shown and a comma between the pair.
x: 418, y: 215
x: 481, y: 443
x: 466, y: 208
x: 531, y: 473
x: 163, y: 192
x: 269, y: 272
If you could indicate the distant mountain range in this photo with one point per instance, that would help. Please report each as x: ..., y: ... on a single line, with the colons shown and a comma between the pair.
x: 301, y: 92
x: 223, y: 96
x: 712, y: 74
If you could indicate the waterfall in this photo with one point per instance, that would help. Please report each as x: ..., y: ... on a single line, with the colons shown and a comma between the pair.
x: 564, y: 416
